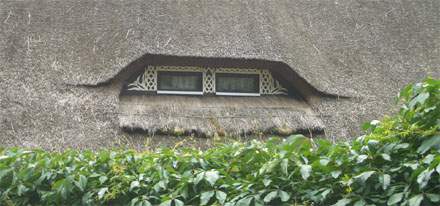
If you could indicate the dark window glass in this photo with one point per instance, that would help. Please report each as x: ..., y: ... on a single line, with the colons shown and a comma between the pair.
x: 237, y: 83
x: 180, y: 81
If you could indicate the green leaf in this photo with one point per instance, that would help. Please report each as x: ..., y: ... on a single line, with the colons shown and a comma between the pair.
x: 361, y: 158
x: 81, y: 183
x: 428, y: 144
x: 395, y: 198
x: 87, y: 198
x: 406, y: 92
x: 401, y: 146
x: 271, y: 196
x: 386, y: 178
x: 205, y: 197
x: 370, y: 125
x: 6, y: 179
x: 160, y: 185
x: 199, y: 178
x: 438, y: 169
x: 102, y: 192
x: 134, y: 184
x: 166, y: 203
x: 221, y: 196
x: 342, y: 202
x: 178, y: 202
x: 413, y: 166
x: 325, y: 193
x: 244, y: 202
x: 64, y: 186
x: 386, y: 157
x: 324, y: 162
x: 335, y: 174
x: 433, y: 197
x: 145, y: 203
x: 424, y: 177
x: 266, y: 182
x: 4, y: 157
x: 416, y: 200
x: 212, y: 176
x: 419, y: 99
x: 360, y: 203
x: 305, y: 171
x: 366, y: 126
x: 102, y: 179
x: 21, y: 189
x: 134, y: 201
x: 363, y: 177
x: 5, y: 172
x: 428, y: 159
x: 284, y: 166
x: 297, y: 143
x: 283, y: 195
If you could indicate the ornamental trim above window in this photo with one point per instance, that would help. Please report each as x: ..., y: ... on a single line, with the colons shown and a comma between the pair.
x: 148, y: 81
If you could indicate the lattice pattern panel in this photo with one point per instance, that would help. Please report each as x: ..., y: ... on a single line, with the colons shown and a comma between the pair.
x: 150, y: 77
x: 209, y: 81
x: 180, y: 68
x: 269, y: 85
x: 237, y: 70
x: 148, y: 80
x: 265, y: 82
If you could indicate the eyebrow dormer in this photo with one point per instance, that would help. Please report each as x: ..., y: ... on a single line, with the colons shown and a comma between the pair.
x: 207, y: 96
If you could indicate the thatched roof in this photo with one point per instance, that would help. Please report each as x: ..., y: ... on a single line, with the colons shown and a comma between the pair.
x: 364, y: 49
x: 207, y: 115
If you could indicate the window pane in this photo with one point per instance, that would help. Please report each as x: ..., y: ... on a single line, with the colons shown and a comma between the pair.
x: 239, y: 83
x: 180, y: 81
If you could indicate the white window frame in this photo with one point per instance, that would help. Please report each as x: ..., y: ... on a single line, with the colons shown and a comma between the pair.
x: 173, y: 69
x: 237, y: 94
x: 179, y: 92
x: 239, y: 71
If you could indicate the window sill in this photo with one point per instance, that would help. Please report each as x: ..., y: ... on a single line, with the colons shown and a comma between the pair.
x: 180, y: 92
x: 237, y: 94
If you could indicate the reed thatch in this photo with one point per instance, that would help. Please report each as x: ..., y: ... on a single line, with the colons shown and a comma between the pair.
x: 209, y: 115
x: 367, y: 50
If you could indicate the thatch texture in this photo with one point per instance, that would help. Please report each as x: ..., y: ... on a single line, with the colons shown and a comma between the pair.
x: 364, y: 49
x: 205, y: 116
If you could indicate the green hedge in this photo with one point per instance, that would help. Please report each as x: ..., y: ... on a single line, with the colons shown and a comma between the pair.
x: 396, y: 163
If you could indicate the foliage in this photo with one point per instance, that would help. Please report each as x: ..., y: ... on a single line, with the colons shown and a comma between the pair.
x: 396, y: 163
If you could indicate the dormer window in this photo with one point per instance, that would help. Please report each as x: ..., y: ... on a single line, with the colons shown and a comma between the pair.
x: 214, y: 98
x: 169, y: 82
x: 207, y: 81
x: 232, y: 84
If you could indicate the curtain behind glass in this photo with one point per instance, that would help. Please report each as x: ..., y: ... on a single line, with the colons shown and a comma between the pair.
x: 239, y: 83
x: 180, y: 81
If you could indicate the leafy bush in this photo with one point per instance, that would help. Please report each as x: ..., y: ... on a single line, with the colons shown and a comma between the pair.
x: 396, y: 163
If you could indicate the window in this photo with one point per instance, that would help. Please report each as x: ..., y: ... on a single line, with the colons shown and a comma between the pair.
x: 180, y: 82
x: 237, y: 84
x: 207, y: 81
